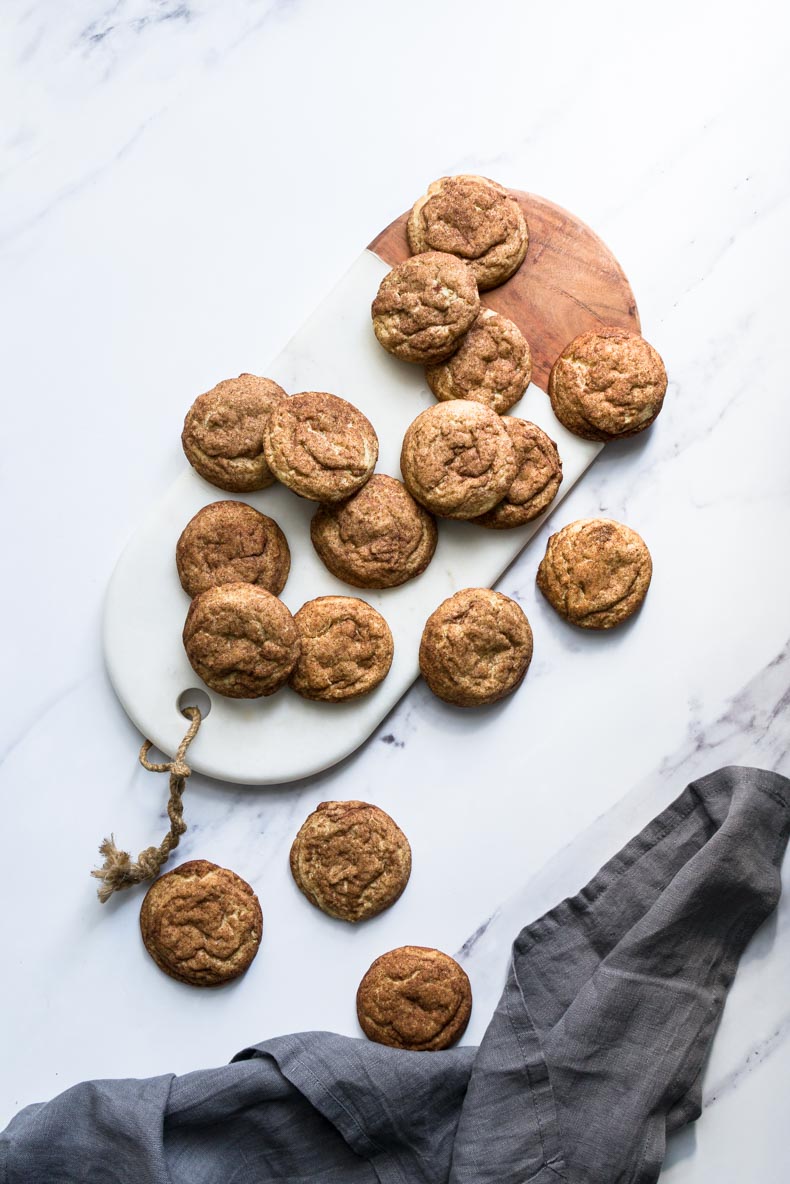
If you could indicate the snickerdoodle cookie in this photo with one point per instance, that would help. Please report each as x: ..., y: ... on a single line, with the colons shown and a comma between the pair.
x: 223, y: 432
x: 607, y: 384
x: 457, y: 459
x: 492, y: 365
x: 241, y: 640
x: 476, y: 648
x: 536, y: 483
x: 415, y: 998
x: 595, y: 573
x: 201, y: 923
x: 424, y: 306
x: 320, y: 446
x: 379, y: 538
x: 351, y: 860
x: 229, y: 542
x: 346, y: 649
x: 476, y: 219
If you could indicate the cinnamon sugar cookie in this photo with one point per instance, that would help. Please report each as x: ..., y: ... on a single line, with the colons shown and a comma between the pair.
x: 475, y: 648
x: 229, y: 543
x: 320, y: 446
x: 201, y: 923
x: 595, y: 573
x: 457, y: 459
x: 242, y: 641
x: 475, y: 219
x: 378, y: 538
x: 416, y: 998
x: 607, y: 384
x: 492, y: 365
x: 223, y: 432
x: 350, y: 860
x: 424, y: 306
x: 536, y: 482
x: 346, y: 649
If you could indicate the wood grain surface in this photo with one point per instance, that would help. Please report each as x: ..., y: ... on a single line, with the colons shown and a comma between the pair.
x: 569, y: 282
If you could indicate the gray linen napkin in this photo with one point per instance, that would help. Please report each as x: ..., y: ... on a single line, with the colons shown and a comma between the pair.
x: 594, y: 1053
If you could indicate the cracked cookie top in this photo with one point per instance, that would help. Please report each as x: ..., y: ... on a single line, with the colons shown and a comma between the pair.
x: 350, y: 860
x: 414, y: 997
x: 538, y: 477
x: 201, y: 923
x: 475, y: 219
x: 607, y: 384
x: 492, y: 365
x: 230, y: 542
x: 595, y: 573
x: 476, y: 648
x: 320, y: 446
x: 223, y: 432
x: 379, y: 538
x: 457, y: 459
x: 346, y: 649
x: 424, y: 306
x: 241, y: 640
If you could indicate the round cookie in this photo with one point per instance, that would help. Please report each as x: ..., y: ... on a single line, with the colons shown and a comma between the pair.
x: 351, y: 860
x: 201, y: 923
x: 346, y: 649
x: 424, y: 306
x: 607, y: 384
x: 492, y: 365
x: 230, y: 543
x: 476, y: 648
x: 320, y: 446
x: 414, y: 998
x: 223, y: 432
x: 595, y: 573
x: 536, y: 483
x: 241, y: 640
x: 476, y: 219
x: 379, y: 538
x: 457, y: 459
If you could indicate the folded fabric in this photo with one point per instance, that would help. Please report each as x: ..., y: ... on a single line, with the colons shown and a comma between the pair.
x: 594, y: 1053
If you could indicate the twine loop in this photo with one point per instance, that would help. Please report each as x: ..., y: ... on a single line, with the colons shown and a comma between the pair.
x: 119, y: 870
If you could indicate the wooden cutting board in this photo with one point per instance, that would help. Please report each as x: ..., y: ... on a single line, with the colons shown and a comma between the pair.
x: 569, y: 282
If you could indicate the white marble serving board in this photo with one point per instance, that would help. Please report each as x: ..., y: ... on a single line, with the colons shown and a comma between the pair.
x: 284, y: 737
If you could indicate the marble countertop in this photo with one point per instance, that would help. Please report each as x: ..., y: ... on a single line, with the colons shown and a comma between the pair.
x: 182, y: 183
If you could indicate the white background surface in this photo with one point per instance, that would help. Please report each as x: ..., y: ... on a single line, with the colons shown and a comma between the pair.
x: 181, y: 185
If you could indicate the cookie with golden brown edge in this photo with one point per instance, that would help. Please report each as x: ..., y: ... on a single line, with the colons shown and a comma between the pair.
x: 378, y: 538
x: 537, y: 480
x: 477, y: 220
x: 476, y: 648
x: 595, y: 573
x: 415, y: 998
x: 241, y: 640
x: 607, y: 384
x: 492, y: 365
x: 230, y: 543
x: 351, y: 860
x: 320, y: 446
x: 346, y: 649
x: 457, y: 459
x: 223, y: 432
x: 201, y: 923
x: 424, y: 306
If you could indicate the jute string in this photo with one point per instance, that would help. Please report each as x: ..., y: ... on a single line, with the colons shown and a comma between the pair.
x: 119, y: 870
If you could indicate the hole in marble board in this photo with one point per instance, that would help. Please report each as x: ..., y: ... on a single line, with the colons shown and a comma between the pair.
x: 194, y: 697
